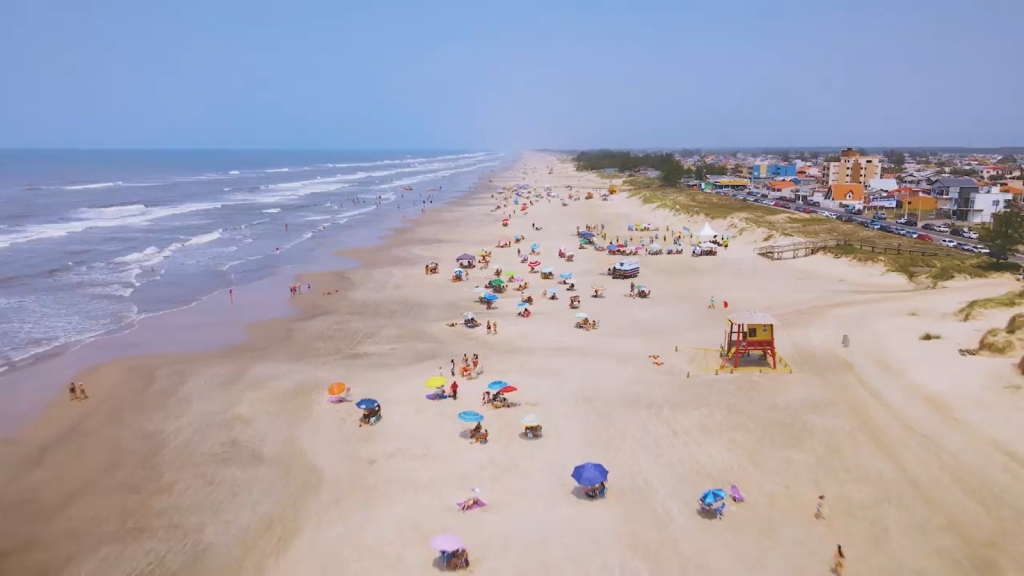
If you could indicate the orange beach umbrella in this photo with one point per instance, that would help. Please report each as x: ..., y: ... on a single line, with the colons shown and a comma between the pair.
x: 337, y: 389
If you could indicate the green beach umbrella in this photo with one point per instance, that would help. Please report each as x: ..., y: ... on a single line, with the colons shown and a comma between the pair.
x: 497, y: 282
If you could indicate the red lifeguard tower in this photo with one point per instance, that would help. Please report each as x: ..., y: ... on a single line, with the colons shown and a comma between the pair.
x: 750, y: 332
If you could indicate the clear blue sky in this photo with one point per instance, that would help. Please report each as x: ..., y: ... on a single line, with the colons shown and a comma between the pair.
x: 510, y: 74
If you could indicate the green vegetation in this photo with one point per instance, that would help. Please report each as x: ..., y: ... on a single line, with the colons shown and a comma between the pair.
x: 1009, y: 300
x: 779, y: 224
x: 929, y: 336
x: 622, y: 160
x: 672, y: 172
x: 1005, y: 234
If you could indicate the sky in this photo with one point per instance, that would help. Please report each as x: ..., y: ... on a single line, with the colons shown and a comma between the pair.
x: 403, y: 74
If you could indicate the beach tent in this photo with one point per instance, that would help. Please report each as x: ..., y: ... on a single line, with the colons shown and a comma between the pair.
x: 707, y: 231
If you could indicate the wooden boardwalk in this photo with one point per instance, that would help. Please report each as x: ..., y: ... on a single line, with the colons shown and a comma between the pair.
x: 802, y: 248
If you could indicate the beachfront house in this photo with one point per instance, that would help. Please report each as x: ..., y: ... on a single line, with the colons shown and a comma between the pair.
x: 846, y: 194
x: 977, y: 205
x: 946, y: 191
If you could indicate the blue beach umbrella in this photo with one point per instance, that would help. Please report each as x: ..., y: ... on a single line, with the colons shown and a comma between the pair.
x: 497, y: 385
x: 470, y: 416
x: 712, y: 497
x: 523, y: 304
x: 367, y: 404
x: 589, y: 474
x: 490, y: 297
x: 534, y: 246
x: 565, y: 275
x: 586, y: 234
x: 547, y: 270
x: 610, y: 247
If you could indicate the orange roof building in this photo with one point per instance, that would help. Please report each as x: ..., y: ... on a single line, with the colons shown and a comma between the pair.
x: 845, y: 193
x: 781, y: 186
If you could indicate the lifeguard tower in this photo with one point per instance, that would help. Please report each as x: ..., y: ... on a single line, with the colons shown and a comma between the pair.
x: 750, y: 333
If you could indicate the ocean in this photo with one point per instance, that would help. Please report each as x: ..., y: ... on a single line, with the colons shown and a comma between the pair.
x: 93, y: 241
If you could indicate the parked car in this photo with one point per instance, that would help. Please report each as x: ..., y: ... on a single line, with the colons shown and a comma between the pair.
x: 928, y: 226
x: 879, y: 216
x: 806, y: 210
x: 925, y: 238
x: 948, y: 242
x: 907, y: 221
x: 875, y: 225
x: 853, y: 210
x: 941, y: 229
x: 846, y: 218
x: 970, y: 234
x: 982, y: 250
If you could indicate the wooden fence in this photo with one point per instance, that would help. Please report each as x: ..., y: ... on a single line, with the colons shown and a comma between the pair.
x: 803, y: 248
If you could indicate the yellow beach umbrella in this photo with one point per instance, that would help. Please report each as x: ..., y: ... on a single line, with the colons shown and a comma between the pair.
x: 435, y: 382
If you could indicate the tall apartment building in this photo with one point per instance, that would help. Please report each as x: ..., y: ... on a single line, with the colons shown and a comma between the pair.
x: 853, y: 168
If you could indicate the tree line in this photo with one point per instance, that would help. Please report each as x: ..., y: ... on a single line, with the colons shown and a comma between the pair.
x: 672, y: 171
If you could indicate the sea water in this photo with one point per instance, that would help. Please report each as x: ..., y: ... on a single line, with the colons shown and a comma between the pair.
x: 93, y: 241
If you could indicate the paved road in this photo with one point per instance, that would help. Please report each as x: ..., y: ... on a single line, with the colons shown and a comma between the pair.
x: 859, y: 220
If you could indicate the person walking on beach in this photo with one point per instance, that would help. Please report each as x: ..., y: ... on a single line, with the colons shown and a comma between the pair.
x: 711, y: 303
x: 838, y: 561
x: 488, y: 326
x: 819, y: 510
x: 453, y: 367
x: 494, y: 327
x: 455, y: 390
x: 476, y: 360
x: 73, y: 392
x: 81, y: 391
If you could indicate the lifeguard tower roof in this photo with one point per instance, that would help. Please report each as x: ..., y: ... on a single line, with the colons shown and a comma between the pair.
x: 750, y: 317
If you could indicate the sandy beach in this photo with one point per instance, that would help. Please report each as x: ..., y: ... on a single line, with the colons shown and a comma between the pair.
x: 232, y: 461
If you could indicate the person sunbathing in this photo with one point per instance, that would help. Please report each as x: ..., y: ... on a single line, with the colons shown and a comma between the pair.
x: 481, y: 438
x: 476, y: 430
x: 469, y: 504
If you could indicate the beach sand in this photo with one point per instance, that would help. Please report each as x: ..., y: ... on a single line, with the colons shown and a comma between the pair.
x: 232, y: 462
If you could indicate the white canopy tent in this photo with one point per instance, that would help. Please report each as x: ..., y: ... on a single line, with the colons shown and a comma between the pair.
x: 707, y: 231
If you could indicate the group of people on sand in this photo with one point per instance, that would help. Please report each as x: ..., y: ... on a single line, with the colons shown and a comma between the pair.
x: 77, y: 391
x: 468, y: 364
x: 297, y: 288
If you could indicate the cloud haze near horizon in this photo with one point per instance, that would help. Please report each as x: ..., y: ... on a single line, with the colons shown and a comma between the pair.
x: 554, y: 74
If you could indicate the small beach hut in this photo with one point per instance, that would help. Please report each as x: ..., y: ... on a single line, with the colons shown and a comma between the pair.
x: 750, y: 333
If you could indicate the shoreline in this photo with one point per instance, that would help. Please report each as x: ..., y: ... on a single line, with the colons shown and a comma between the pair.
x: 39, y: 380
x: 232, y: 462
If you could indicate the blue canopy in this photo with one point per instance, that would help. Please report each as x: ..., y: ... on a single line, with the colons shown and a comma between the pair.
x: 367, y: 404
x: 589, y: 474
x: 489, y: 297
x: 497, y: 385
x: 470, y: 416
x: 523, y: 304
x: 586, y: 234
x: 547, y: 270
x: 712, y: 497
x: 610, y: 247
x: 534, y: 246
x: 565, y: 275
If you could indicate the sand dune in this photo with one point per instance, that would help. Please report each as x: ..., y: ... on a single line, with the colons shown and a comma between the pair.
x: 232, y: 462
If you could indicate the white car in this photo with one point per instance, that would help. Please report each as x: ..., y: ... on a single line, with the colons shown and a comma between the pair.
x: 942, y: 229
x: 948, y: 243
x: 970, y: 234
x: 981, y: 250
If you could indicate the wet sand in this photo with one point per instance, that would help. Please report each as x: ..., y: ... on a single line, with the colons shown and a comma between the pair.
x: 231, y: 462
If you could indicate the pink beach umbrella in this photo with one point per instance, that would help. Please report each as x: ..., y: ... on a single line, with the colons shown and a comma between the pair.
x: 446, y: 543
